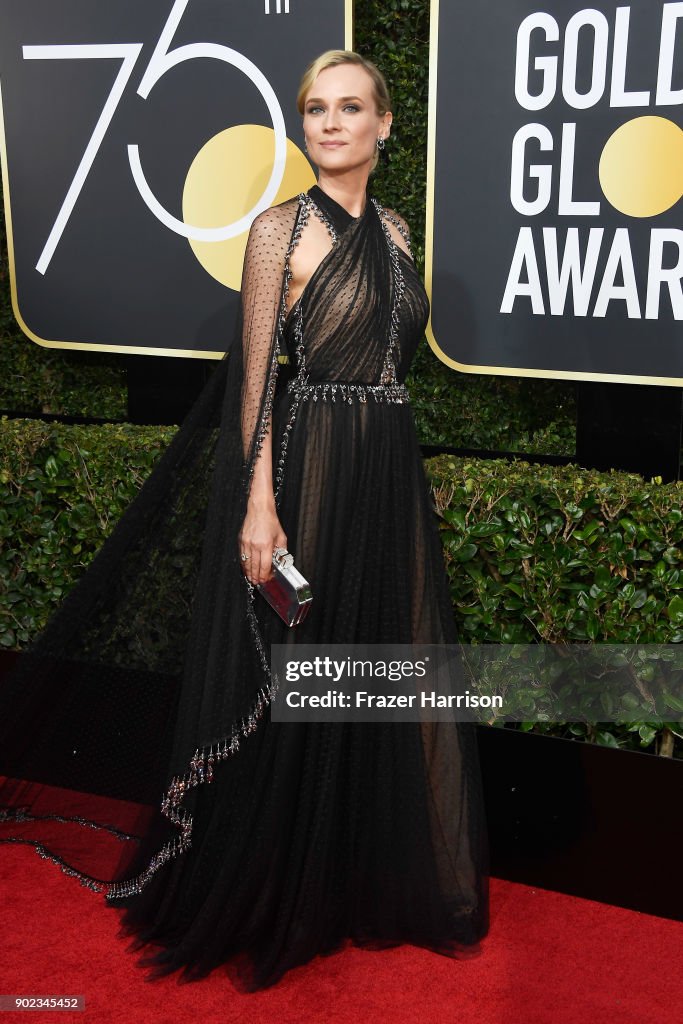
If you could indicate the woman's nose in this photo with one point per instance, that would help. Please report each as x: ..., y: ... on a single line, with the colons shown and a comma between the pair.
x: 331, y: 120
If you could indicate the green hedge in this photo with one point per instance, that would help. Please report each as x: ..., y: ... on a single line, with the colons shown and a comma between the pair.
x: 561, y: 554
x: 63, y: 489
x: 539, y: 554
x: 532, y: 553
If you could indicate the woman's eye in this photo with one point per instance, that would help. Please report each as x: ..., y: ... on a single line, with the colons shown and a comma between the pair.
x: 349, y: 106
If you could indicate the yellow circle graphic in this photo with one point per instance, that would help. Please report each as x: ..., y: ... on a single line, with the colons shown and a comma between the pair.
x: 225, y: 180
x: 641, y: 167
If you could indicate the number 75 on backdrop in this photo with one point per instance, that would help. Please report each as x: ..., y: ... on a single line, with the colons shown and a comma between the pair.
x: 139, y: 141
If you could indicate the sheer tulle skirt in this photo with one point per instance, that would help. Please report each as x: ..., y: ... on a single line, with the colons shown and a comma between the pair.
x: 315, y: 834
x: 319, y: 832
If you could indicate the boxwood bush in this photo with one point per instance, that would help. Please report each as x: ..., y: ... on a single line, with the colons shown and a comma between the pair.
x: 533, y: 553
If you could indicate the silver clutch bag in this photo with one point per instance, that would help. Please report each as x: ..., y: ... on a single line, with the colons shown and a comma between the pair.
x: 287, y: 592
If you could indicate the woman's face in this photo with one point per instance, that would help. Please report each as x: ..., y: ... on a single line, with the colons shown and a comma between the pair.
x: 341, y: 123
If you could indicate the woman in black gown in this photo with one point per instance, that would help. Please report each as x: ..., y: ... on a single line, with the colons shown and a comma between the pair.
x: 310, y: 833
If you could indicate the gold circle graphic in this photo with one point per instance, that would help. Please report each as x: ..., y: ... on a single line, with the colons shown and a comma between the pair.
x: 225, y: 180
x: 641, y: 166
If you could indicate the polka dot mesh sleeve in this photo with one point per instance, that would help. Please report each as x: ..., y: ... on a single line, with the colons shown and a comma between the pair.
x: 262, y: 286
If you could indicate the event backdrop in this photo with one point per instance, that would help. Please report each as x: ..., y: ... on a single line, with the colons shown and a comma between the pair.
x: 554, y: 241
x: 139, y: 140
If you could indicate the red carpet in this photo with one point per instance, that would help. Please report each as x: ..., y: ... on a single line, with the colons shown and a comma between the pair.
x: 548, y: 959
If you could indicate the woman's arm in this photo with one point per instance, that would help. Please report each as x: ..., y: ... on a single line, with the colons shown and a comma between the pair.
x: 261, y: 530
x: 261, y: 290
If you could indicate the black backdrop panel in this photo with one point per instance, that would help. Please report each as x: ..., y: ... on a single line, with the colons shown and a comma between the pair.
x: 118, y: 276
x: 527, y: 176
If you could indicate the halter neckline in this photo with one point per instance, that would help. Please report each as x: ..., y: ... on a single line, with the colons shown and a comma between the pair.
x: 338, y: 214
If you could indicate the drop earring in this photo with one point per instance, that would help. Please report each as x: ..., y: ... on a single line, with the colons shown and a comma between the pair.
x: 381, y: 146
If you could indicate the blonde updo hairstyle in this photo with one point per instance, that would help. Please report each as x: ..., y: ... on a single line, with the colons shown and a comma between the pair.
x: 330, y: 59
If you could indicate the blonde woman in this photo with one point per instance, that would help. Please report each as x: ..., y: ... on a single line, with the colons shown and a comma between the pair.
x: 310, y: 834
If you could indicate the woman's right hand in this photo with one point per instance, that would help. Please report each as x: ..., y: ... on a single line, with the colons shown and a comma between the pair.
x: 261, y: 533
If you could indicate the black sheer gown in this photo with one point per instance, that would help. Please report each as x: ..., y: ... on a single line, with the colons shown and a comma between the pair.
x: 309, y: 833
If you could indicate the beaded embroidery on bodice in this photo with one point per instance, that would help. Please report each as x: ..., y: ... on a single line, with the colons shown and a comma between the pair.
x: 292, y: 323
x: 343, y: 332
